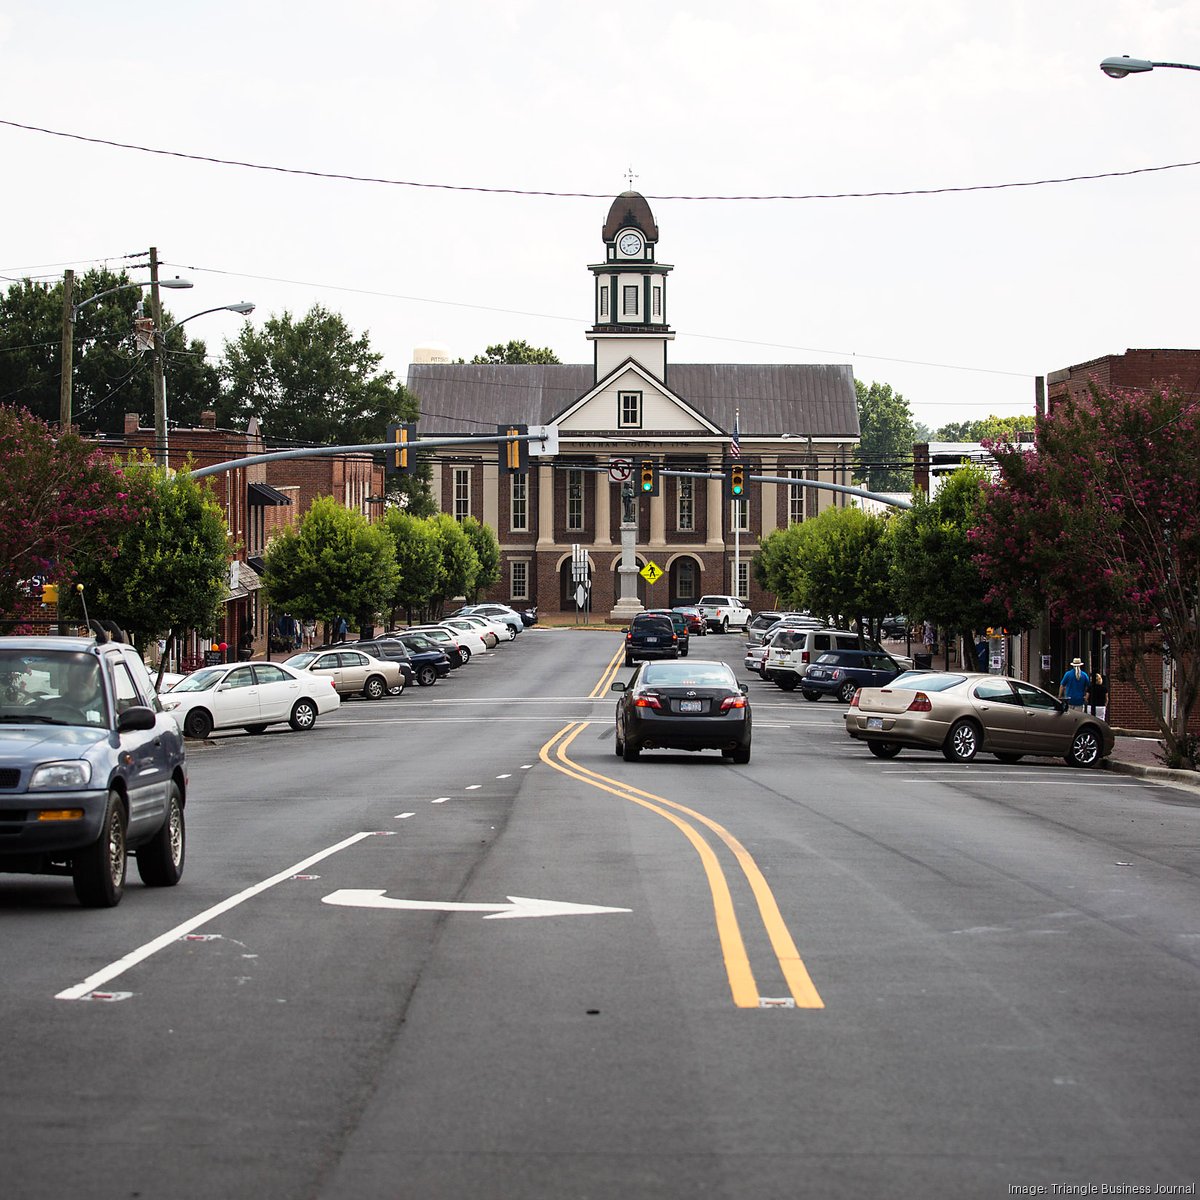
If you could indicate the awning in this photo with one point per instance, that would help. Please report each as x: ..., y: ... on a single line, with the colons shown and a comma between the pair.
x: 264, y: 494
x: 242, y: 581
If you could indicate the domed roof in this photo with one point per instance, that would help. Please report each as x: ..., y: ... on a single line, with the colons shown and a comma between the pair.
x: 630, y: 209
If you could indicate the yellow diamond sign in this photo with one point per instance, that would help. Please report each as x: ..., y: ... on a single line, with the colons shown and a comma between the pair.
x: 651, y: 572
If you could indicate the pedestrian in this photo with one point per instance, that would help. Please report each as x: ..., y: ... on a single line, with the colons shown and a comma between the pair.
x: 1074, y: 684
x: 930, y: 637
x: 1098, y: 696
x: 981, y: 652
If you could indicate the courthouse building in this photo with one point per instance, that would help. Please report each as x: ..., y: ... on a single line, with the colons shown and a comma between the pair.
x: 630, y: 403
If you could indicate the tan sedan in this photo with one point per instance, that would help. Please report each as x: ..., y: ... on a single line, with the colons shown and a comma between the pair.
x: 961, y: 714
x: 352, y: 672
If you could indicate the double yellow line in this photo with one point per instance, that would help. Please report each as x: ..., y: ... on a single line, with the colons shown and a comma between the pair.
x: 733, y: 948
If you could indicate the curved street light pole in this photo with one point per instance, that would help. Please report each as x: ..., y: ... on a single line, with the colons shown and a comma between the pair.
x: 1121, y: 65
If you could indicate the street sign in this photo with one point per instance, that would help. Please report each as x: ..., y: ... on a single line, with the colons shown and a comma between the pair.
x: 651, y: 572
x: 549, y: 444
x: 579, y: 564
x: 581, y: 595
x: 620, y: 470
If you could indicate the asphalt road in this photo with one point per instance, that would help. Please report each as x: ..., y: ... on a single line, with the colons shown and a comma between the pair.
x: 816, y: 975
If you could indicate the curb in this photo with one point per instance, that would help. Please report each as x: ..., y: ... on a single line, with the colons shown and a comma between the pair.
x: 1184, y: 779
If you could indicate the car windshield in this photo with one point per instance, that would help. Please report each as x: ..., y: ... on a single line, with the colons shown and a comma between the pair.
x: 925, y: 681
x: 53, y: 687
x: 300, y: 661
x: 682, y: 674
x: 200, y: 681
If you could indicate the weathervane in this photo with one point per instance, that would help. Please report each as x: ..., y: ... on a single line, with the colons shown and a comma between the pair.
x: 630, y: 176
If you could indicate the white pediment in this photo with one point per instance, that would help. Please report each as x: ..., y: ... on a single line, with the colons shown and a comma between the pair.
x: 599, y: 410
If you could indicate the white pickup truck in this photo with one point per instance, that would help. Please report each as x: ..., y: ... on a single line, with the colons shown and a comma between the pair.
x: 723, y: 613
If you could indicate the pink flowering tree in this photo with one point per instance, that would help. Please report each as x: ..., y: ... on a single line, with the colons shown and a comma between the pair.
x: 62, y: 504
x: 1100, y: 526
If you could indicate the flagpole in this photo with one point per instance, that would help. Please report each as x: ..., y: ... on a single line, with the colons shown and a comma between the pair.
x: 736, y: 506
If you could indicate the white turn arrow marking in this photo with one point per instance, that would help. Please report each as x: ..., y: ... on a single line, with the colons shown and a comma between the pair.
x: 517, y: 906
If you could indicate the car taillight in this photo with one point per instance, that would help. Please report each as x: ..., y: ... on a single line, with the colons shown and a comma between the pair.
x: 674, y: 637
x: 629, y: 636
x: 854, y: 698
x: 804, y: 656
x: 837, y: 674
x: 647, y: 701
x: 733, y: 702
x: 920, y: 703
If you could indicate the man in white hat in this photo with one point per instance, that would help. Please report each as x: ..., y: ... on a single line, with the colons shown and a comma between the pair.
x: 1075, y: 684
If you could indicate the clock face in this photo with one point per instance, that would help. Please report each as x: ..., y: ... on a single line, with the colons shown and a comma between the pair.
x: 630, y: 243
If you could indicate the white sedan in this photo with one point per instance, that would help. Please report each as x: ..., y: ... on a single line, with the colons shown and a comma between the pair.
x: 250, y: 696
x: 466, y: 635
x: 487, y: 625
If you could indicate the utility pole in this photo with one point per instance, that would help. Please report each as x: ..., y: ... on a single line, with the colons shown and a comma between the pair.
x: 160, y: 382
x: 68, y: 346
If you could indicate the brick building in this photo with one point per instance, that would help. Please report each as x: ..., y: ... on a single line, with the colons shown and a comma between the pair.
x: 797, y: 422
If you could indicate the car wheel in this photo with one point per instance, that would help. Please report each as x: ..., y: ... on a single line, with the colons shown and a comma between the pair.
x: 629, y: 660
x: 846, y: 691
x: 786, y: 682
x: 883, y: 749
x: 724, y: 625
x: 809, y: 694
x: 160, y: 860
x: 512, y: 634
x: 1010, y: 758
x: 619, y: 747
x: 375, y: 688
x: 741, y: 754
x: 630, y: 751
x: 304, y: 715
x: 464, y: 652
x: 962, y: 742
x: 427, y: 676
x: 1085, y: 747
x: 397, y: 690
x: 198, y: 723
x: 98, y: 872
x: 256, y: 729
x: 683, y: 651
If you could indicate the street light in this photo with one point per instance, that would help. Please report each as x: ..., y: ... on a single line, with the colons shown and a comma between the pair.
x: 244, y: 307
x: 1119, y: 66
x: 71, y: 314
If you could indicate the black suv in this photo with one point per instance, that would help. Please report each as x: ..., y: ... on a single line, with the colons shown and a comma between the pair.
x: 679, y: 623
x: 650, y: 636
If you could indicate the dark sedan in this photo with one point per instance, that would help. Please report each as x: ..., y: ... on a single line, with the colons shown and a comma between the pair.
x: 841, y: 673
x: 677, y: 705
x: 429, y: 660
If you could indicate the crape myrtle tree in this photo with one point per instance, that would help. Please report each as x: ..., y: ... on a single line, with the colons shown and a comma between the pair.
x: 835, y: 565
x: 934, y: 570
x: 171, y: 563
x: 1100, y: 524
x: 335, y: 564
x: 61, y: 503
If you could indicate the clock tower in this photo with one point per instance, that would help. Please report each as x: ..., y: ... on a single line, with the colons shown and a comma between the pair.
x: 630, y: 292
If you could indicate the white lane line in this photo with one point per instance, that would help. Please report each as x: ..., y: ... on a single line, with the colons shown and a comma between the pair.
x: 527, y: 767
x: 473, y: 787
x: 440, y: 800
x: 81, y: 990
x: 503, y: 776
x: 1097, y: 783
x: 404, y: 816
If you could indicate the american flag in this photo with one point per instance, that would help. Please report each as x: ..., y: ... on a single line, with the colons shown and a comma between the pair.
x: 735, y: 443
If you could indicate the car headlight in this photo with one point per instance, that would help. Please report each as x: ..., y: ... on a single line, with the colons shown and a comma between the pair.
x: 75, y: 774
x: 169, y: 705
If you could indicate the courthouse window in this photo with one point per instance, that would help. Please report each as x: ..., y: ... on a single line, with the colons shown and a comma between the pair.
x: 519, y: 579
x: 685, y: 506
x: 462, y: 493
x: 520, y: 501
x: 631, y: 410
x: 795, y: 497
x: 574, y: 501
x: 630, y: 301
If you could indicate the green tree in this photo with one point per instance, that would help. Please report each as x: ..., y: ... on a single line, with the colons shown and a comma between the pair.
x: 487, y: 551
x: 993, y: 428
x: 419, y: 559
x: 109, y: 376
x: 460, y: 563
x: 171, y: 567
x: 883, y: 460
x: 935, y: 575
x: 515, y: 352
x: 335, y: 564
x: 62, y: 503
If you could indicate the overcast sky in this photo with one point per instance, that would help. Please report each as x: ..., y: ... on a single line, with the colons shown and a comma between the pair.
x: 958, y: 300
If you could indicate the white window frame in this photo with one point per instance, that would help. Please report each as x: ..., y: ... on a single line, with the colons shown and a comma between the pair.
x: 462, y: 493
x: 796, y: 496
x: 629, y: 410
x: 685, y: 505
x: 739, y: 514
x: 576, y: 513
x: 518, y: 504
x: 689, y: 567
x: 518, y: 578
x: 741, y: 585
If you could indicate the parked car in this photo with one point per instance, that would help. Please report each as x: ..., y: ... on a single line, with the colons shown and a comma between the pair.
x: 961, y: 714
x: 91, y: 768
x: 449, y: 640
x: 353, y: 671
x: 500, y: 612
x: 696, y: 705
x: 723, y: 613
x: 650, y: 636
x: 756, y: 658
x: 469, y: 639
x: 697, y: 625
x: 392, y: 650
x: 786, y: 620
x: 893, y: 627
x: 429, y: 659
x: 485, y: 631
x: 792, y: 649
x: 679, y: 623
x: 841, y: 673
x: 249, y: 696
x: 528, y: 613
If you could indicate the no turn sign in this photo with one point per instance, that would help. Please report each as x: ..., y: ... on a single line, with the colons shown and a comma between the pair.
x: 620, y: 470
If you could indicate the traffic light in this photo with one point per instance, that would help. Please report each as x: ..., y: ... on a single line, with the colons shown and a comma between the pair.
x: 49, y: 593
x: 648, y: 478
x: 402, y: 460
x: 735, y: 481
x: 514, y: 456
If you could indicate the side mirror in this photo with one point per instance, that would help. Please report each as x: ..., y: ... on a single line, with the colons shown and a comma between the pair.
x: 618, y: 686
x: 744, y: 688
x: 1063, y: 706
x: 136, y: 717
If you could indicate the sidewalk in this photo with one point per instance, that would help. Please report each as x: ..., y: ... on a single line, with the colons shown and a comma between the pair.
x: 1140, y: 754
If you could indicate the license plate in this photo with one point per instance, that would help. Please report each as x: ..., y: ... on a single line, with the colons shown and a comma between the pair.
x: 651, y: 640
x: 690, y: 706
x: 874, y: 722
